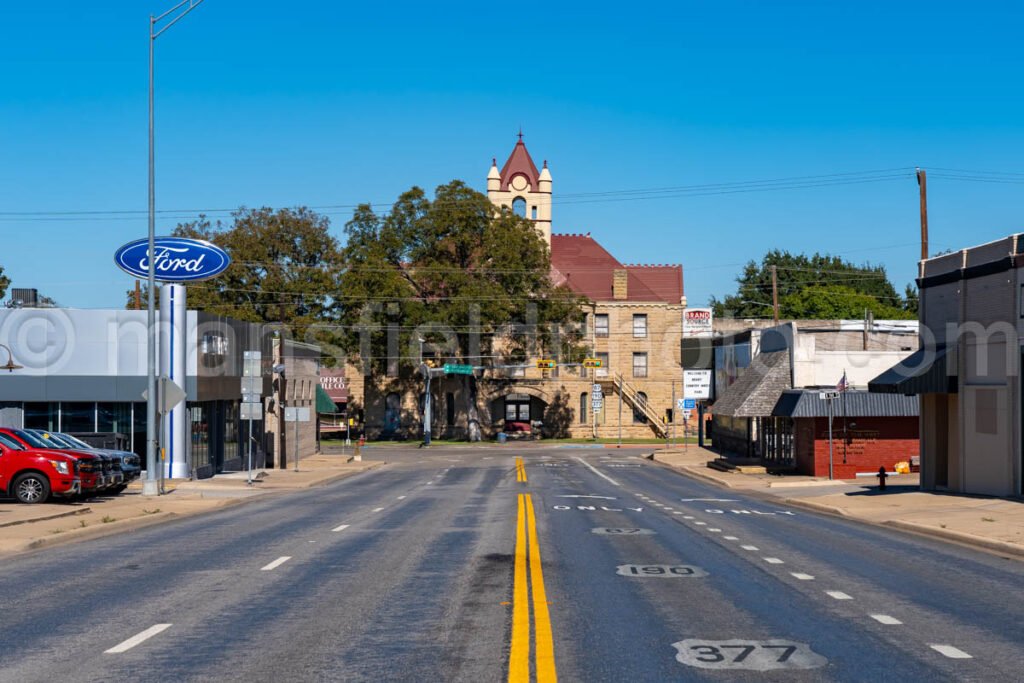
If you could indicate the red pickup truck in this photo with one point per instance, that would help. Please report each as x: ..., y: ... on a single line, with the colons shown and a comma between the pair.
x: 32, y: 476
x: 90, y: 467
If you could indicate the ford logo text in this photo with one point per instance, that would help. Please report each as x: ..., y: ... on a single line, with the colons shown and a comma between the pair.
x: 175, y: 259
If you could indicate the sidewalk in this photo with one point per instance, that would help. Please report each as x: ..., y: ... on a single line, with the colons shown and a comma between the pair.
x: 995, y: 524
x: 28, y: 527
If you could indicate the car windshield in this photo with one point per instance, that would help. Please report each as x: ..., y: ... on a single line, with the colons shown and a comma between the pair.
x: 75, y: 441
x: 10, y: 443
x: 34, y: 439
x: 54, y: 439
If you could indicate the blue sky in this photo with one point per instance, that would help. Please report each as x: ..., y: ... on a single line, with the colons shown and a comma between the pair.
x: 325, y: 104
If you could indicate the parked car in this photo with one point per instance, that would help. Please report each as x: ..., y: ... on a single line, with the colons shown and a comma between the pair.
x: 90, y: 466
x: 112, y: 463
x: 128, y: 462
x: 33, y: 475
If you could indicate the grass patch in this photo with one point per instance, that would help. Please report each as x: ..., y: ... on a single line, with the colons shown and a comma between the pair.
x: 150, y: 512
x: 107, y: 519
x: 987, y: 519
x: 83, y: 523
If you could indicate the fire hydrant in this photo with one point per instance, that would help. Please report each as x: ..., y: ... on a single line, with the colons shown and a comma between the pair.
x: 881, y: 478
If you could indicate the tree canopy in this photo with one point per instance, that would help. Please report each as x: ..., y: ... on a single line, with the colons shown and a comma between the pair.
x: 5, y: 282
x: 815, y: 287
x: 440, y: 269
x: 284, y: 268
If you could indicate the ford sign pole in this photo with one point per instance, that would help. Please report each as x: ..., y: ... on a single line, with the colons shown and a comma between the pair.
x: 151, y: 486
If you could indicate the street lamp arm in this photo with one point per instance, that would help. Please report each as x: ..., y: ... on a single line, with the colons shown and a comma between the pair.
x: 192, y: 4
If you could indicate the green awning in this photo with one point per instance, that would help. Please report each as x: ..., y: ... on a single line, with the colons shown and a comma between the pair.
x: 324, y: 403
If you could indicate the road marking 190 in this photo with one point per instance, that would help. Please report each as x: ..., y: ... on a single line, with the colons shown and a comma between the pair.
x: 611, y: 531
x: 754, y: 655
x: 668, y: 571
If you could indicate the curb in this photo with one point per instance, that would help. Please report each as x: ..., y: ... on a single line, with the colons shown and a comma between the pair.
x: 696, y: 474
x: 372, y: 465
x: 86, y: 533
x: 72, y: 513
x: 958, y: 537
x: 821, y: 507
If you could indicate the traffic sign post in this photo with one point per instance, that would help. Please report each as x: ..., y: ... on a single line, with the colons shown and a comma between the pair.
x: 828, y: 397
x: 252, y: 396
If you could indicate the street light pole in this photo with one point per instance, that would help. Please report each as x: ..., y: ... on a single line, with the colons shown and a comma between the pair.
x: 151, y: 487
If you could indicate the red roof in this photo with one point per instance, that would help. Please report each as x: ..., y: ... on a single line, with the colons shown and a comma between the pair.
x: 520, y: 163
x: 582, y: 264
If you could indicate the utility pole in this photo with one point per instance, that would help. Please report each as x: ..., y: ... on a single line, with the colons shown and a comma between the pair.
x: 775, y: 295
x: 922, y: 184
x: 151, y: 486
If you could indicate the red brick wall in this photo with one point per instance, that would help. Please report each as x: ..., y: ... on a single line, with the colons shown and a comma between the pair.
x: 870, y: 444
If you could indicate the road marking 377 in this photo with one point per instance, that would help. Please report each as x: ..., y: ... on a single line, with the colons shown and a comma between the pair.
x: 754, y: 655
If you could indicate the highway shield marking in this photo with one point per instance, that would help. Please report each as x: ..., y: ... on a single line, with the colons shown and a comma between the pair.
x: 751, y: 655
x: 614, y: 531
x: 664, y: 571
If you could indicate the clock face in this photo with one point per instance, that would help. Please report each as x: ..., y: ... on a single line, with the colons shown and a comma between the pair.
x: 519, y: 183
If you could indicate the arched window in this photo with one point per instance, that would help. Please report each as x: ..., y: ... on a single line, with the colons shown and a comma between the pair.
x: 392, y: 412
x: 519, y: 207
x: 638, y: 415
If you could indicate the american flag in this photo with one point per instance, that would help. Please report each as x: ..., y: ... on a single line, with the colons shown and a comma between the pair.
x: 843, y: 384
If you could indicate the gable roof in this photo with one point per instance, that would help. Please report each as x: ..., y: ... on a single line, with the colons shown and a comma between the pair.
x: 758, y: 388
x: 520, y: 163
x: 587, y: 268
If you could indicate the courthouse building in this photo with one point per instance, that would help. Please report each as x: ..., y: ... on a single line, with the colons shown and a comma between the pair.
x: 633, y: 324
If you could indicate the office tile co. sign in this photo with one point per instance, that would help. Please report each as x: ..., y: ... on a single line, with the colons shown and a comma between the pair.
x: 177, y: 259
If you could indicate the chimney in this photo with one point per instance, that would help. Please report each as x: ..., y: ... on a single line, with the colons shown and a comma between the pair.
x: 620, y: 278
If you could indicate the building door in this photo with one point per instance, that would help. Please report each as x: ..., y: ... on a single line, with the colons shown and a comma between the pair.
x: 517, y: 413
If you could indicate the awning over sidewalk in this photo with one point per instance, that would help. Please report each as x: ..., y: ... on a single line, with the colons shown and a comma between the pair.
x: 756, y: 391
x: 324, y: 403
x: 926, y: 371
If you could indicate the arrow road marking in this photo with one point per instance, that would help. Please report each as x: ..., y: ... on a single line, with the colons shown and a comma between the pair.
x: 142, y: 637
x: 601, y: 497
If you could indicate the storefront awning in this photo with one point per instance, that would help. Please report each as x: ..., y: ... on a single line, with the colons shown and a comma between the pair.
x: 926, y: 371
x: 324, y: 403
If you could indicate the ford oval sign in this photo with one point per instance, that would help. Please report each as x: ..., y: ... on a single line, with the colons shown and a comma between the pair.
x: 176, y: 259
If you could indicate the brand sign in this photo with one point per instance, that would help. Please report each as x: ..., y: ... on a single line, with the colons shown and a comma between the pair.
x: 697, y: 384
x: 697, y: 322
x: 175, y: 259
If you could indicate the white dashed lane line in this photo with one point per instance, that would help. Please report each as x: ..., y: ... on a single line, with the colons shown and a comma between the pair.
x: 340, y: 528
x: 838, y: 595
x: 275, y: 564
x: 749, y: 547
x: 802, y: 577
x: 730, y: 538
x: 142, y: 637
x: 401, y: 498
x: 950, y: 651
x: 773, y: 560
x: 715, y: 531
x: 886, y: 619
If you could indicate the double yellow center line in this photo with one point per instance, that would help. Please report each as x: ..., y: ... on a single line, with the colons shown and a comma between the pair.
x: 528, y: 556
x: 520, y: 471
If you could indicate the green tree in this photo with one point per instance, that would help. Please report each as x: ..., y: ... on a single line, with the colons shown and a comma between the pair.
x: 836, y: 302
x: 797, y: 273
x: 439, y: 270
x: 5, y: 282
x: 284, y: 268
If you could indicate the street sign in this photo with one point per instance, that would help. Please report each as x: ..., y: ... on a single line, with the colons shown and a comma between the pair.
x: 252, y: 386
x: 296, y: 414
x: 681, y: 403
x: 252, y: 364
x: 596, y: 390
x: 686, y: 415
x: 828, y: 395
x: 168, y: 393
x: 593, y: 363
x: 697, y: 384
x: 596, y: 404
x: 689, y: 403
x: 545, y: 364
x: 452, y: 369
x: 252, y: 410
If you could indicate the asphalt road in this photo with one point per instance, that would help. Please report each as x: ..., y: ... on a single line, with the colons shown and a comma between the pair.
x: 461, y: 565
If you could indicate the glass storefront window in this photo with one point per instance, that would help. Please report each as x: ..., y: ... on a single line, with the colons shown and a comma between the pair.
x: 78, y: 417
x: 114, y: 417
x: 41, y: 416
x: 199, y: 420
x: 139, y: 431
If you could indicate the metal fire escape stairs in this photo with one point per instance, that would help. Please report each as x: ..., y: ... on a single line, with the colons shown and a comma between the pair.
x: 633, y: 399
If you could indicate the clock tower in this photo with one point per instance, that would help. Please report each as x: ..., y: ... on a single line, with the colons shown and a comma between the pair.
x: 522, y: 188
